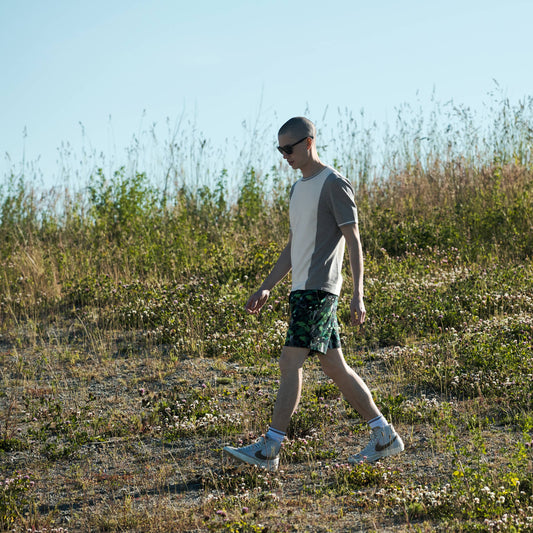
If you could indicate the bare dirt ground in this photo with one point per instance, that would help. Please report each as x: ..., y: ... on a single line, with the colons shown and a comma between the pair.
x: 141, y: 480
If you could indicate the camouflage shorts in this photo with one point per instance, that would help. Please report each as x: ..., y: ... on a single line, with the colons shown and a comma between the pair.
x: 313, y: 322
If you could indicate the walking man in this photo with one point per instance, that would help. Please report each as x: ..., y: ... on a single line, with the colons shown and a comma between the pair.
x: 323, y: 218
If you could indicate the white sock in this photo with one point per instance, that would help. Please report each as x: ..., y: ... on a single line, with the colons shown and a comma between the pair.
x: 275, y: 435
x: 378, y: 422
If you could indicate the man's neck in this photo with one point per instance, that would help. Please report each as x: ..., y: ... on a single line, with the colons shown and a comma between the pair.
x: 314, y: 167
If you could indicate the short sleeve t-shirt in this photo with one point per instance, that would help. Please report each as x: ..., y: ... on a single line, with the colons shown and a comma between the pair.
x: 319, y: 206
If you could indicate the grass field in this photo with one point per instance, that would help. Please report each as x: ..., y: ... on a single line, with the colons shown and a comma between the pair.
x: 127, y: 361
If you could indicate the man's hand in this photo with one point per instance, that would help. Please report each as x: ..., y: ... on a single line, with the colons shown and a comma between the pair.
x: 357, y: 311
x: 256, y: 301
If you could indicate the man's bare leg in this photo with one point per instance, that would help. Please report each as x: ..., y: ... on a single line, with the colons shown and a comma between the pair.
x: 385, y: 441
x: 290, y: 363
x: 353, y: 388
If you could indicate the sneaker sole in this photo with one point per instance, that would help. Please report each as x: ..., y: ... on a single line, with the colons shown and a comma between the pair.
x: 271, y: 465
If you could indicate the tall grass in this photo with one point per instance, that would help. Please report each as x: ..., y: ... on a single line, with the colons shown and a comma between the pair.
x: 444, y: 182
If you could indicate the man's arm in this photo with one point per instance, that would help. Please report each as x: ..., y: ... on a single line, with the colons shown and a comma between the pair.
x: 279, y: 271
x: 355, y: 251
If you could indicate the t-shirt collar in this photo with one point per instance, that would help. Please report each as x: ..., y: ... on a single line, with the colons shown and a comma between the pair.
x: 317, y: 174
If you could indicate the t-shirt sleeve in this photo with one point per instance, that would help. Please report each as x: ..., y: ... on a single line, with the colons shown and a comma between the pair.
x: 290, y: 196
x: 342, y: 201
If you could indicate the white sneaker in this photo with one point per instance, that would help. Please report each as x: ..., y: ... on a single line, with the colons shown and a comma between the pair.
x: 384, y: 443
x: 263, y: 452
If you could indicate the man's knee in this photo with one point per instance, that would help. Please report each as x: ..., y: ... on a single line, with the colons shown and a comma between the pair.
x: 331, y: 370
x: 333, y: 365
x: 292, y: 359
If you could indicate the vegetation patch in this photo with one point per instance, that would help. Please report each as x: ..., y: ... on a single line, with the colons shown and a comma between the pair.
x: 127, y: 361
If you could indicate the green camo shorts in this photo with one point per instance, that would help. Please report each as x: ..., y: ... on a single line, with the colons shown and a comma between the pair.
x: 313, y: 322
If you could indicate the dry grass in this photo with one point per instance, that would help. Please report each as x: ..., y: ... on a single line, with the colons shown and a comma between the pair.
x: 127, y: 475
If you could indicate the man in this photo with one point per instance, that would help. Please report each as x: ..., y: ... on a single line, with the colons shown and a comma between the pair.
x: 323, y: 217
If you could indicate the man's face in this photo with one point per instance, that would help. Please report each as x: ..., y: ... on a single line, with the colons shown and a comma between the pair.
x: 299, y: 151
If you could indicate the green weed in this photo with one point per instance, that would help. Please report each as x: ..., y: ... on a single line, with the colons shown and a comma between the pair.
x: 15, y: 499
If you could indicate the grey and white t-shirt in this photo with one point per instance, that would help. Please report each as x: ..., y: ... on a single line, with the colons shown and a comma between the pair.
x: 319, y: 206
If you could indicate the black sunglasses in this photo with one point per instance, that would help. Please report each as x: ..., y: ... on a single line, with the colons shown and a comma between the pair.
x: 287, y: 149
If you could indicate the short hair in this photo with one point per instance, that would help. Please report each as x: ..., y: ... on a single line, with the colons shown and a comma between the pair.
x: 298, y: 127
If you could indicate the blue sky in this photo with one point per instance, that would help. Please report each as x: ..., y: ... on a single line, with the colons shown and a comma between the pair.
x: 117, y: 67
